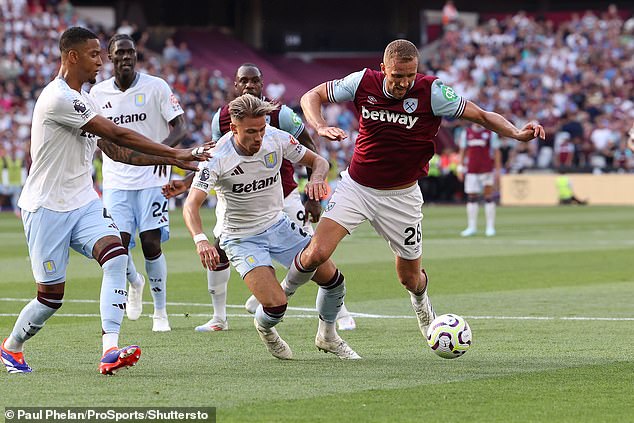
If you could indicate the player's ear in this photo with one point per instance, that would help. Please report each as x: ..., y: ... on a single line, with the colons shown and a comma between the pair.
x: 383, y: 68
x: 233, y: 128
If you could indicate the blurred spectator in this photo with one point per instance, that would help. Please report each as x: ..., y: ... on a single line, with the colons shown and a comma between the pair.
x: 275, y: 90
x: 170, y: 52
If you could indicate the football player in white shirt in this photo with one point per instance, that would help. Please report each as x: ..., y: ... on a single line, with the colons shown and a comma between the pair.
x: 244, y: 171
x: 249, y: 80
x: 132, y: 194
x: 60, y: 208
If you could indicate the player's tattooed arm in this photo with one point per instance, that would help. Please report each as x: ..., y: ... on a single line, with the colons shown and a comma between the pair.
x: 128, y: 156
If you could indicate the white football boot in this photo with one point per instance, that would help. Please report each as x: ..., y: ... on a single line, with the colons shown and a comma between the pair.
x: 274, y: 343
x: 134, y: 307
x: 336, y: 346
x: 424, y: 313
x: 214, y: 325
x: 160, y: 322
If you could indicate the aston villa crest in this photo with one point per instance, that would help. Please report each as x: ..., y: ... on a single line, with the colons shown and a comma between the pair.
x: 270, y: 160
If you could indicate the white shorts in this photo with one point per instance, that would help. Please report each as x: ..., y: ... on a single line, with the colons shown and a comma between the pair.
x: 295, y: 210
x: 394, y: 214
x: 145, y: 209
x: 281, y: 242
x: 50, y: 235
x: 474, y: 183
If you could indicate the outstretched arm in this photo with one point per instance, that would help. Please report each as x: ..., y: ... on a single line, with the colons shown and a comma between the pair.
x: 125, y: 137
x: 498, y: 123
x: 178, y: 132
x: 311, y: 106
x: 132, y: 157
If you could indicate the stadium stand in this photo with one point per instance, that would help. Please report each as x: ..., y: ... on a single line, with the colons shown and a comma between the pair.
x: 574, y: 71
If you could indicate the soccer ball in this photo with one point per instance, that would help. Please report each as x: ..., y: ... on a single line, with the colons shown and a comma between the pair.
x: 449, y: 336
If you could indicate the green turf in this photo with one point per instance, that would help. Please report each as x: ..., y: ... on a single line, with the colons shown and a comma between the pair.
x: 543, y: 299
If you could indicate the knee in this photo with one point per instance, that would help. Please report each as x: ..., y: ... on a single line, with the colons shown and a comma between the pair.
x: 314, y: 256
x: 51, y: 296
x: 151, y: 244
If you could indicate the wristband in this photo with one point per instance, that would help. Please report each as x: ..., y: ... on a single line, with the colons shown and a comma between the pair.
x: 200, y: 237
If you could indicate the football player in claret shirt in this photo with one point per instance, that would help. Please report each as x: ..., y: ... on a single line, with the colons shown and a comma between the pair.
x: 400, y: 111
x: 61, y: 209
x: 481, y: 150
x: 254, y: 230
x: 132, y: 194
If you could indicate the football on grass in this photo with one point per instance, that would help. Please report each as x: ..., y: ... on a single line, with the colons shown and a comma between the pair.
x: 449, y: 336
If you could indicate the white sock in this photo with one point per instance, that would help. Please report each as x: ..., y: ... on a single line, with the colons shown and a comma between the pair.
x: 217, y: 281
x: 131, y: 272
x: 113, y: 296
x: 296, y: 277
x: 157, y: 274
x: 109, y: 340
x: 472, y: 215
x: 327, y: 330
x: 489, y: 211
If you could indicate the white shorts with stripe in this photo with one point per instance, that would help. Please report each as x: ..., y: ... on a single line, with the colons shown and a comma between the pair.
x: 396, y: 215
x: 474, y: 183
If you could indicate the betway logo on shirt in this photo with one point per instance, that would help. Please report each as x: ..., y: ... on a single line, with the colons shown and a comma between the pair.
x: 387, y: 116
x: 476, y: 143
x: 121, y: 119
x: 255, y: 185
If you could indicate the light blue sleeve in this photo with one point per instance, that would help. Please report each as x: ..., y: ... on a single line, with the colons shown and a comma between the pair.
x: 445, y: 102
x: 495, y: 141
x: 216, y: 134
x: 290, y: 122
x: 462, y: 138
x: 344, y: 89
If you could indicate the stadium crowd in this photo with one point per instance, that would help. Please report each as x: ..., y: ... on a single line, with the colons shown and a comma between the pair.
x: 577, y: 77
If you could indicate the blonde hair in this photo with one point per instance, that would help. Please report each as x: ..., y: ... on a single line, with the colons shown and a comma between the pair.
x: 249, y: 106
x: 401, y: 50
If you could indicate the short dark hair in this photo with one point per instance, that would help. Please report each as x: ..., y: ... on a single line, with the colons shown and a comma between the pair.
x: 74, y: 36
x: 248, y: 65
x: 118, y: 37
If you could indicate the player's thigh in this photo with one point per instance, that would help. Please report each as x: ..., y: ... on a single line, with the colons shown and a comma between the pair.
x: 247, y: 253
x: 399, y: 222
x: 286, y: 239
x: 151, y: 211
x: 473, y: 183
x: 48, y: 236
x: 348, y: 205
x: 120, y: 206
x: 94, y: 224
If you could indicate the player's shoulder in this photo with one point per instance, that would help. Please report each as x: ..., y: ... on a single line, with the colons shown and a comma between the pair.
x: 151, y: 80
x: 105, y: 85
x: 275, y: 134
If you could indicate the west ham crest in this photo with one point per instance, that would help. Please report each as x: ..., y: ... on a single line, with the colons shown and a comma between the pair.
x: 410, y: 105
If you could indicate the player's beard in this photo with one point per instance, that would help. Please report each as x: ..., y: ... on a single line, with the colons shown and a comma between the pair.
x: 92, y: 80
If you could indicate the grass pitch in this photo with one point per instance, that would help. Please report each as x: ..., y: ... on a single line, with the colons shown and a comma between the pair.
x: 549, y: 300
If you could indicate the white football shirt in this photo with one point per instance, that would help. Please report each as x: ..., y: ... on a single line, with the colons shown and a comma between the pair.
x: 146, y: 107
x: 249, y: 186
x: 60, y: 178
